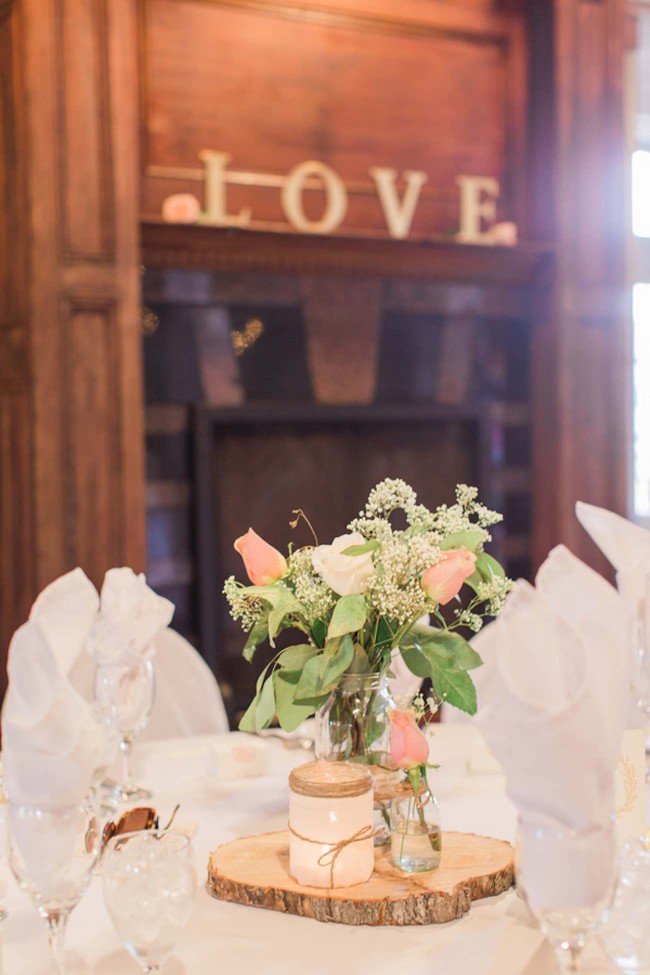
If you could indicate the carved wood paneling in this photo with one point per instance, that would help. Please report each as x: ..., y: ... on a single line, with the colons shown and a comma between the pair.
x: 352, y: 87
x: 85, y: 178
x: 71, y: 415
x: 92, y: 433
x: 17, y: 551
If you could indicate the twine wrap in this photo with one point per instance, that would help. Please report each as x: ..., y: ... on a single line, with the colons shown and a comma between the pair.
x: 329, y: 857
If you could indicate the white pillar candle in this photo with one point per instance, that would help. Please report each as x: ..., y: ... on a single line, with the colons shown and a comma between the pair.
x: 330, y: 824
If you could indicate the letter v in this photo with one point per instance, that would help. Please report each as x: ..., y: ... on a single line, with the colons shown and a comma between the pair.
x: 398, y: 214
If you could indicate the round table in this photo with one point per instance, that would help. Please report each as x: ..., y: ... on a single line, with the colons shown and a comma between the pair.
x: 495, y: 938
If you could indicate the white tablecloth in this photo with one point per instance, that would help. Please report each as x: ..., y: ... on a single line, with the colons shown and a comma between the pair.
x: 495, y: 938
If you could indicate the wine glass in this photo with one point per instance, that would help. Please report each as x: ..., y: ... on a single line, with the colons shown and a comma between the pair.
x: 625, y: 933
x: 557, y: 877
x: 52, y: 853
x: 129, y: 689
x: 149, y: 883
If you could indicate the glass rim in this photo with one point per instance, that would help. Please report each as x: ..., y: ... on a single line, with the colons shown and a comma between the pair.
x: 158, y: 834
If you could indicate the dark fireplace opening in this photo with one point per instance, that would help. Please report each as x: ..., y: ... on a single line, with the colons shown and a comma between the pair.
x: 273, y: 391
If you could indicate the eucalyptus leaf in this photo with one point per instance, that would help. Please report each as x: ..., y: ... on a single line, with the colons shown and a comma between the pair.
x: 265, y: 706
x: 295, y: 658
x: 471, y: 539
x: 340, y: 662
x: 349, y: 616
x: 360, y: 662
x: 310, y: 679
x: 292, y: 713
x: 354, y: 550
x: 258, y: 634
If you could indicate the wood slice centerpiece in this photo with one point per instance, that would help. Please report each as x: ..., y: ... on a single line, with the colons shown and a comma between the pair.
x: 254, y: 870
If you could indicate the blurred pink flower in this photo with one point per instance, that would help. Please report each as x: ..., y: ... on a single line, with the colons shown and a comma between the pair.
x: 181, y: 208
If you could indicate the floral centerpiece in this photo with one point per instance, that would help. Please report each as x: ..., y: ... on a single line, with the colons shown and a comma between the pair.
x: 363, y: 599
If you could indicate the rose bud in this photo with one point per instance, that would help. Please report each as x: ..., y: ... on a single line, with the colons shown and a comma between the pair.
x: 408, y: 745
x: 264, y: 564
x: 444, y: 580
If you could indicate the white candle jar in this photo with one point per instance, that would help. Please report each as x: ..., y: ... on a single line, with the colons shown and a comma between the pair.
x: 330, y: 824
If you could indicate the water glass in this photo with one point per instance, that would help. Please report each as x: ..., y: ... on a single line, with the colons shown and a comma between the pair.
x: 129, y: 690
x: 557, y: 877
x: 626, y: 933
x: 52, y: 853
x: 641, y: 683
x: 149, y: 883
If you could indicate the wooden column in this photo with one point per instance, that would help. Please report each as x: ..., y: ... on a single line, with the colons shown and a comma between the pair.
x: 581, y: 345
x: 71, y: 443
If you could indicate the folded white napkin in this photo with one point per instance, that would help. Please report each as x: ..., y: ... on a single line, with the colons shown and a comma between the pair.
x: 627, y: 547
x: 131, y: 616
x: 553, y: 713
x: 51, y: 743
x: 66, y: 610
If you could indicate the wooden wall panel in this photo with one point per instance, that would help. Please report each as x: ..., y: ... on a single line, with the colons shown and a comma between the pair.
x: 92, y: 435
x: 582, y: 358
x: 86, y: 192
x: 71, y: 413
x: 275, y: 84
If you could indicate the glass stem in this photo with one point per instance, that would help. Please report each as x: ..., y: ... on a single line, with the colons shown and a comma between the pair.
x: 56, y: 925
x: 125, y: 747
x: 568, y: 958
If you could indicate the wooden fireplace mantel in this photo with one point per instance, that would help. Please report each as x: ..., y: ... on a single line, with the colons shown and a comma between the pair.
x: 166, y: 245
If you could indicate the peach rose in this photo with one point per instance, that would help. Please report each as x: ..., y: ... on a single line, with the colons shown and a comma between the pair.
x: 264, y: 564
x: 408, y: 745
x: 444, y: 580
x: 181, y: 208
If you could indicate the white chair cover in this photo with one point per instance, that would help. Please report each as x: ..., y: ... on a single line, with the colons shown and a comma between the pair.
x: 188, y: 700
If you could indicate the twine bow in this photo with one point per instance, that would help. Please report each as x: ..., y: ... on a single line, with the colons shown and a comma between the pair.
x: 329, y: 857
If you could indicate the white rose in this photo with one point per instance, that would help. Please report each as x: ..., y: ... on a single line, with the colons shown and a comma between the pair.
x: 344, y: 574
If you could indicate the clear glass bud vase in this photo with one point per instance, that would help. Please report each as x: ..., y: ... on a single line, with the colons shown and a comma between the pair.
x: 415, y: 834
x: 353, y: 724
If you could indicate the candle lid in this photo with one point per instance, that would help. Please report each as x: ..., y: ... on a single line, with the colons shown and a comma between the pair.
x: 330, y: 780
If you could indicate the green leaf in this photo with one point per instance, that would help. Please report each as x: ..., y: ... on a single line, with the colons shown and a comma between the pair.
x: 266, y: 706
x: 349, y: 616
x: 249, y: 718
x: 354, y: 550
x: 416, y: 661
x: 308, y: 685
x: 360, y: 662
x: 454, y: 648
x: 455, y: 687
x: 339, y: 663
x: 322, y: 672
x: 487, y: 566
x: 295, y: 658
x: 471, y: 539
x: 257, y: 635
x: 280, y: 611
x: 292, y: 713
x: 319, y: 632
x: 465, y: 656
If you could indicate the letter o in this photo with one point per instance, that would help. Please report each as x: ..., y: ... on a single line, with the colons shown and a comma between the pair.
x: 336, y: 199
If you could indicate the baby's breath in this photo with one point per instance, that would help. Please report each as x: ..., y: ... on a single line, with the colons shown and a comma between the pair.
x: 309, y: 587
x: 244, y: 605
